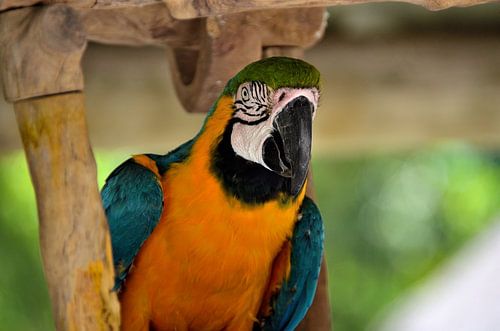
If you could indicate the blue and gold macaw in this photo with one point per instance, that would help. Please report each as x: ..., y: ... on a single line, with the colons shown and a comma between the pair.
x: 218, y: 234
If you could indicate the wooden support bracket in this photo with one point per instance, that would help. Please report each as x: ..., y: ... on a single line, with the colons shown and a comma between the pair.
x: 41, y: 48
x: 230, y: 42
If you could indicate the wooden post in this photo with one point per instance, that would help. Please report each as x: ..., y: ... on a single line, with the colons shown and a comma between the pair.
x: 41, y: 48
x: 74, y: 239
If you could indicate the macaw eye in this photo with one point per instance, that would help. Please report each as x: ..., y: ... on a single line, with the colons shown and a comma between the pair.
x: 245, y: 96
x: 252, y: 102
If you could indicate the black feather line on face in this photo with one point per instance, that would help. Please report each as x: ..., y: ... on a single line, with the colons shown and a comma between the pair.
x: 247, y: 181
x: 255, y: 103
x: 242, y: 121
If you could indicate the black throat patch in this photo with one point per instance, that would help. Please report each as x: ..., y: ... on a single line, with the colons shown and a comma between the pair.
x: 247, y: 181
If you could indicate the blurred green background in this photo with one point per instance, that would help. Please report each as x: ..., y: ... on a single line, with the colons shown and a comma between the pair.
x: 406, y: 161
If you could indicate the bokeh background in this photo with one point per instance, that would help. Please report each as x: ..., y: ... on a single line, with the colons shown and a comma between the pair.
x: 406, y: 152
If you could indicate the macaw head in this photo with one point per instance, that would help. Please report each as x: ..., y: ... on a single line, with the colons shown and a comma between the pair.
x: 267, y: 139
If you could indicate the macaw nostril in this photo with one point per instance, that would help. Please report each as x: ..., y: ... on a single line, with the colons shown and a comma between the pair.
x: 282, y: 96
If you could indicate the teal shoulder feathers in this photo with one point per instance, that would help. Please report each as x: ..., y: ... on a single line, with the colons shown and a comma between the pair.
x: 133, y: 201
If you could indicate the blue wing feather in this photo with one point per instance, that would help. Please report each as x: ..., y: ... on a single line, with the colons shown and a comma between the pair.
x: 133, y: 201
x: 297, y: 292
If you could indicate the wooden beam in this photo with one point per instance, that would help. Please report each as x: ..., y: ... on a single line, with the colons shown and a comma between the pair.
x: 187, y: 9
x: 150, y: 24
x: 16, y: 4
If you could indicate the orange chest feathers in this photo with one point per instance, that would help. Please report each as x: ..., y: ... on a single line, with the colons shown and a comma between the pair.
x: 207, y: 264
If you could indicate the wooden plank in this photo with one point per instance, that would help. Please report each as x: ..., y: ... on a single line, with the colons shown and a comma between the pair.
x: 122, y: 3
x: 150, y: 24
x: 74, y: 239
x: 186, y: 9
x: 11, y: 4
x: 8, y: 4
x: 97, y: 4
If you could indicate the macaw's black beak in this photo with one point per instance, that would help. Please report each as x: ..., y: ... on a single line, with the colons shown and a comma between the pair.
x: 288, y: 151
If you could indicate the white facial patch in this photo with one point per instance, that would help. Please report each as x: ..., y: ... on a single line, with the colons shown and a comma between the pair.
x: 256, y: 107
x: 247, y: 140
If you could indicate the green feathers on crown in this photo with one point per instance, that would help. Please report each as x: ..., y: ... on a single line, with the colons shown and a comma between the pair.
x: 276, y: 72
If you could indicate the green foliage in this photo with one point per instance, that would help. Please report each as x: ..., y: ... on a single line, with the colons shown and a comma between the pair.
x: 24, y: 300
x: 390, y: 220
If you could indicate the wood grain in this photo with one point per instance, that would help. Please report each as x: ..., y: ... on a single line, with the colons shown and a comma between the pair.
x: 150, y: 24
x: 186, y: 9
x: 74, y: 239
x: 189, y: 9
x: 13, y: 4
x: 40, y: 51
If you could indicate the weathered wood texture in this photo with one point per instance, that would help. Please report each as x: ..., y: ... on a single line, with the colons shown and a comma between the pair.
x: 153, y: 24
x: 136, y: 26
x: 75, y: 244
x: 10, y: 4
x: 40, y: 51
x: 108, y: 4
x: 187, y: 9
